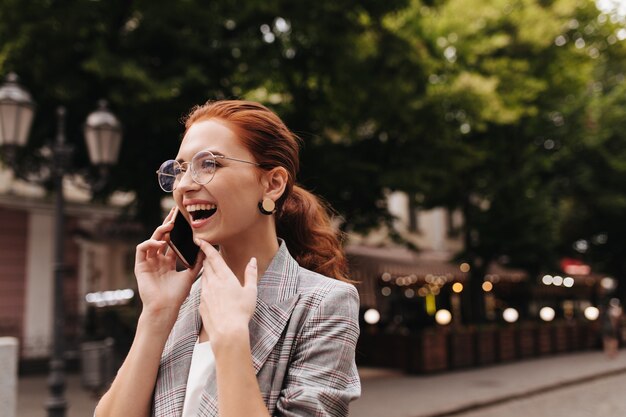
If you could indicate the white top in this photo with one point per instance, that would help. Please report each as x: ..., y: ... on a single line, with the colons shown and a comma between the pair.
x: 201, y: 362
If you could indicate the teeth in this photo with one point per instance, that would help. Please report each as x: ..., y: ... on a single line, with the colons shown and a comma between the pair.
x: 195, y: 207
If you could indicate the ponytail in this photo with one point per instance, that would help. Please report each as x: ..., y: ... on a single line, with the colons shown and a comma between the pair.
x: 303, y: 221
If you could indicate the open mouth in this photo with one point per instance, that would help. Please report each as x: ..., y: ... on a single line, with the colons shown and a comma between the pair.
x: 201, y: 211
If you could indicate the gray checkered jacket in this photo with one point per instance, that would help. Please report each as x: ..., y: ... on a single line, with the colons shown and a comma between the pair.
x: 303, y: 336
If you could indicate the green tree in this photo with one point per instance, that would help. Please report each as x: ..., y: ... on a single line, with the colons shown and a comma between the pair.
x: 506, y: 97
x: 595, y: 226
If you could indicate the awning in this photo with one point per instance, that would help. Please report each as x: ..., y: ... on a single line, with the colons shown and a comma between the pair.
x: 369, y: 264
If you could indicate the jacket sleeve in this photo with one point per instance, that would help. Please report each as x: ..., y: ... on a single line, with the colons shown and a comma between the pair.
x: 322, y: 378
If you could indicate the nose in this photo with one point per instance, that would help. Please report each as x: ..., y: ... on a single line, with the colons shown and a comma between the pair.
x: 187, y: 183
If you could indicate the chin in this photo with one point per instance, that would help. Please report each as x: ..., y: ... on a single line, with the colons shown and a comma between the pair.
x: 213, y: 236
x: 207, y: 236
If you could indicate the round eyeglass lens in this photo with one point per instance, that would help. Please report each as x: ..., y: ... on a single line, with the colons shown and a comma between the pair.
x: 168, y: 172
x: 203, y: 167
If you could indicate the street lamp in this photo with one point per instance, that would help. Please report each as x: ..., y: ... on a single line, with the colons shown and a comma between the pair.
x: 16, y: 115
x: 103, y: 134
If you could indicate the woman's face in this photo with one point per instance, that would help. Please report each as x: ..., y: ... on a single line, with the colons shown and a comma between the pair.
x: 226, y: 207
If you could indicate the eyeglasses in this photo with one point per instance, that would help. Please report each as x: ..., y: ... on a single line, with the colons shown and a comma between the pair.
x: 202, y: 167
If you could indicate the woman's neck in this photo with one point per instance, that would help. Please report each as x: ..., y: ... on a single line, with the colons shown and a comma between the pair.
x: 237, y: 255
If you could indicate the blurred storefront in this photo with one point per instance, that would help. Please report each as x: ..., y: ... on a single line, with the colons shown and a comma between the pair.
x: 408, y: 288
x: 413, y: 300
x: 411, y: 304
x: 98, y: 257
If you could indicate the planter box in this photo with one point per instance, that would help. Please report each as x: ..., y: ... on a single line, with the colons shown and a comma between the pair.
x: 587, y: 338
x: 593, y: 338
x: 428, y: 352
x: 461, y: 348
x: 485, y: 346
x: 544, y: 339
x: 575, y: 336
x: 526, y: 342
x: 383, y: 350
x: 506, y: 344
x: 561, y: 338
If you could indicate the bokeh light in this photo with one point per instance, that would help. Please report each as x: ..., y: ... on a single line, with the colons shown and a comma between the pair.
x: 547, y: 314
x: 608, y: 283
x: 510, y: 315
x: 371, y: 316
x: 591, y: 313
x: 443, y: 317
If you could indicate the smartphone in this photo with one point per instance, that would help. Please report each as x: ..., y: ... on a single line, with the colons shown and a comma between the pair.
x: 181, y: 241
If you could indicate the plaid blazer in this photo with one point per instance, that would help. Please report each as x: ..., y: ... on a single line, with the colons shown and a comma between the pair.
x: 303, y: 336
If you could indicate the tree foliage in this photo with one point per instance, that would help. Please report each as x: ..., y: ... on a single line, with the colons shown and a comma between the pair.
x: 508, y: 119
x: 154, y: 60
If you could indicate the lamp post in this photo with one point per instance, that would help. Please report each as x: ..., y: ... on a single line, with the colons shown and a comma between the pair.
x: 103, y: 135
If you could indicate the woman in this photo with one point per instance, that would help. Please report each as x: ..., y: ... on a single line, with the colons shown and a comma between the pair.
x: 271, y: 325
x: 611, y: 328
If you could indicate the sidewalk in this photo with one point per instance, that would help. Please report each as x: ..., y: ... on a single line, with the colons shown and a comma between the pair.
x: 391, y: 394
x: 447, y: 393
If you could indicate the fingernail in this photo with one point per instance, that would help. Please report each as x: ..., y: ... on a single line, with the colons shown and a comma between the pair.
x: 197, y: 241
x: 253, y: 262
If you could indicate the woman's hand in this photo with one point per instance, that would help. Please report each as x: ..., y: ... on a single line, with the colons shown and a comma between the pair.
x: 226, y: 306
x: 161, y: 287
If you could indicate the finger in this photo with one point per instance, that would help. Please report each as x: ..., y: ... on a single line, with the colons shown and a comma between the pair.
x: 151, y: 244
x: 156, y: 251
x: 213, y: 258
x: 203, y: 245
x: 161, y: 231
x: 145, y: 248
x: 169, y: 260
x: 205, y: 249
x: 163, y: 249
x: 140, y: 254
x: 170, y: 255
x: 251, y: 275
x: 170, y: 215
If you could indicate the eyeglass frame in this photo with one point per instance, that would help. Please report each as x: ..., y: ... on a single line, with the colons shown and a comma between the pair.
x: 185, y: 164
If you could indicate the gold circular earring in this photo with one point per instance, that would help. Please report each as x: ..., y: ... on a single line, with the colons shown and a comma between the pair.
x: 267, y: 206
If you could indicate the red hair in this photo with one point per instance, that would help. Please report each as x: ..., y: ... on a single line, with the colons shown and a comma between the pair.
x: 302, y: 220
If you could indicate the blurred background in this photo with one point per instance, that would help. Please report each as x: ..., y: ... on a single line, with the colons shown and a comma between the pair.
x: 474, y: 152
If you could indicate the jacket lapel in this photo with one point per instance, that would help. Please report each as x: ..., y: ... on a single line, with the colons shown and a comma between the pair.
x: 266, y: 326
x: 277, y: 297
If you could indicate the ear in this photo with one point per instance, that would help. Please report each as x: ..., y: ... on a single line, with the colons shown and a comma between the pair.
x: 274, y: 183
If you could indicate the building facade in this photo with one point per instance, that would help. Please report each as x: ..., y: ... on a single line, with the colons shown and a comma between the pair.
x: 94, y: 261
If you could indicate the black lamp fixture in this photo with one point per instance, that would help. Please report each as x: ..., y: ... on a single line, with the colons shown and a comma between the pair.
x: 103, y: 135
